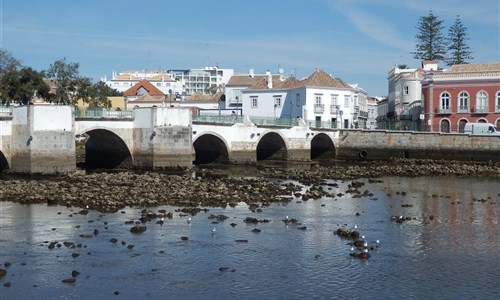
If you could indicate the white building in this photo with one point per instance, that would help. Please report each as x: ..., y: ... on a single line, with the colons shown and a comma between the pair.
x: 206, y: 81
x: 319, y: 99
x: 160, y: 79
x: 240, y: 82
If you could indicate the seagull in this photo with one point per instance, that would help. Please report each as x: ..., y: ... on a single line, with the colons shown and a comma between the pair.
x: 213, y: 230
x: 189, y: 220
x: 87, y: 206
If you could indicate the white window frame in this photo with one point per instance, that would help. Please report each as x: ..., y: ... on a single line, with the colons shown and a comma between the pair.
x: 318, y: 99
x: 254, y: 103
x: 482, y: 99
x: 463, y: 101
x: 347, y: 101
x: 444, y: 101
x: 335, y: 99
x: 277, y: 101
x: 406, y: 90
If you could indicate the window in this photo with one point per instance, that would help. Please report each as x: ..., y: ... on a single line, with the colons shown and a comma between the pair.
x: 335, y: 100
x: 277, y: 101
x: 497, y: 102
x: 463, y: 102
x: 406, y: 90
x: 318, y: 99
x: 482, y: 102
x: 297, y: 99
x: 444, y: 102
x: 253, y: 101
x: 347, y: 101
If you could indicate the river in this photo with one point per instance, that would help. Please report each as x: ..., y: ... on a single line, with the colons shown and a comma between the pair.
x: 449, y: 249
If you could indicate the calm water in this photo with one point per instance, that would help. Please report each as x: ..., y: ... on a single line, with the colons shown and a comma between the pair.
x: 454, y: 256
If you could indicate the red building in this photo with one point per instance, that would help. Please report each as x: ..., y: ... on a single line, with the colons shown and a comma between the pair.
x: 461, y: 94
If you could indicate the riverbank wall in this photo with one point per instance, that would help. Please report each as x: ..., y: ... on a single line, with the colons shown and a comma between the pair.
x: 382, y: 145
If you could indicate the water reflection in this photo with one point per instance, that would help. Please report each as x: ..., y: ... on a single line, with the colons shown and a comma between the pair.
x: 451, y: 239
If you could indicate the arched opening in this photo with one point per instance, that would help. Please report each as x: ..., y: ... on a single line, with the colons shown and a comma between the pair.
x: 497, y: 124
x: 445, y: 126
x: 4, y: 164
x: 210, y: 149
x: 482, y: 121
x: 102, y: 150
x: 271, y: 147
x: 461, y: 125
x: 322, y: 147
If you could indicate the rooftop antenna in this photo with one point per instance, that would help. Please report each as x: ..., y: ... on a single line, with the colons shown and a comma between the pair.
x: 208, y: 55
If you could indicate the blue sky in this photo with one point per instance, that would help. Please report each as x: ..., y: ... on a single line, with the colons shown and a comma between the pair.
x: 356, y: 40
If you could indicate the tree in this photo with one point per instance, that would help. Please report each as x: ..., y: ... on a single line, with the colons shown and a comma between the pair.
x: 67, y: 79
x: 457, y: 40
x: 430, y: 40
x: 95, y: 94
x: 20, y: 86
x: 7, y: 61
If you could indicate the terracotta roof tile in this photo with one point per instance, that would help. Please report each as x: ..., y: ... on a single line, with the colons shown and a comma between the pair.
x: 152, y: 90
x: 243, y: 80
x: 494, y: 66
x: 317, y: 79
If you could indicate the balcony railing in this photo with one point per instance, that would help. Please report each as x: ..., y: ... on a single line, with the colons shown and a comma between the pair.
x: 334, y: 109
x: 443, y: 110
x: 102, y: 113
x: 5, y: 111
x: 319, y: 108
x: 481, y: 109
x: 463, y: 109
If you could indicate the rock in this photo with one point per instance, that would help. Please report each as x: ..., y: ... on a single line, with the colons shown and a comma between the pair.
x: 7, y: 284
x: 113, y: 240
x: 223, y: 269
x: 130, y: 246
x: 241, y: 241
x: 256, y: 230
x: 75, y: 273
x: 74, y: 254
x: 2, y: 273
x: 138, y: 229
x: 184, y: 238
x: 69, y: 280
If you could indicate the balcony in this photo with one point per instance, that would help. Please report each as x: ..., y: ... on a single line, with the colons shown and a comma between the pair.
x: 443, y: 110
x: 319, y: 108
x: 484, y: 109
x: 334, y: 109
x: 463, y: 109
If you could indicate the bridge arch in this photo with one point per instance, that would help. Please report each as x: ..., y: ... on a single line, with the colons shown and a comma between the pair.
x: 322, y: 147
x: 272, y: 146
x: 104, y: 149
x: 210, y: 147
x: 4, y: 162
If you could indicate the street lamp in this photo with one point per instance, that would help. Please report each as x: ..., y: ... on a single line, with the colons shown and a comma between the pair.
x: 170, y: 96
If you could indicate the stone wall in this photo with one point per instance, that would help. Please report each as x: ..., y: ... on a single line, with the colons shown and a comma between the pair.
x: 375, y: 145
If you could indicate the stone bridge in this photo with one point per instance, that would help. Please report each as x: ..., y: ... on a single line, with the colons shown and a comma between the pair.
x: 41, y: 139
x: 46, y: 139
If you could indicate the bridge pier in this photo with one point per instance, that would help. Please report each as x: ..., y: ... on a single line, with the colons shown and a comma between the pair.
x: 162, y: 138
x: 42, y: 140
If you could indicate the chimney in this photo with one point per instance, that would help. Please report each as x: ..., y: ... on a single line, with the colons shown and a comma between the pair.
x: 269, y: 80
x: 430, y: 65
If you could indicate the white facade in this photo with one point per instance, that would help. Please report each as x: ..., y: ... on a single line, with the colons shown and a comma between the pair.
x: 160, y: 79
x: 200, y: 81
x: 327, y: 106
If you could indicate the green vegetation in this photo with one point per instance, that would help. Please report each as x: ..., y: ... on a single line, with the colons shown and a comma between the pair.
x: 20, y: 84
x: 431, y: 42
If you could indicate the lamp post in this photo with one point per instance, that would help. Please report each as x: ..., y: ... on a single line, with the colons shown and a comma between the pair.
x: 170, y: 97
